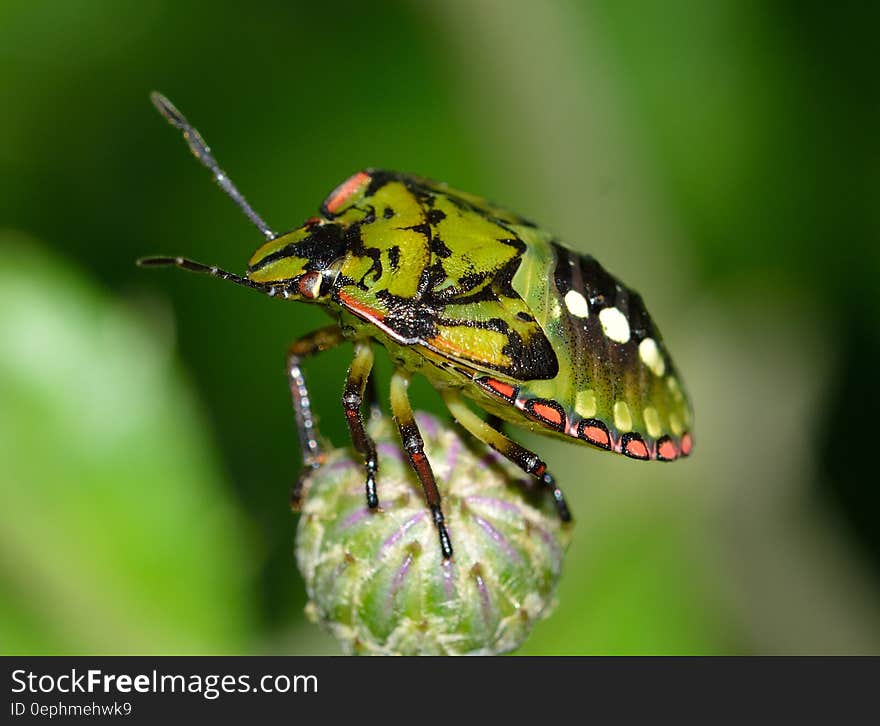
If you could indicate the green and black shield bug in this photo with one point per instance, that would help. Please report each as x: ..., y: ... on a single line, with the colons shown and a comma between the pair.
x: 481, y: 302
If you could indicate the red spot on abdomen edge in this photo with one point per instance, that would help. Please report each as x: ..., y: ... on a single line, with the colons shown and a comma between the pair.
x: 635, y: 448
x: 500, y: 388
x: 666, y: 450
x: 595, y: 432
x: 549, y: 412
x: 687, y: 445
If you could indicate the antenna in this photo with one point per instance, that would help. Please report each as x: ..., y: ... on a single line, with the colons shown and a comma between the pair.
x: 202, y: 152
x: 186, y: 264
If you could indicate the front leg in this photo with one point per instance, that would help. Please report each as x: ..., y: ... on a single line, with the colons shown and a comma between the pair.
x: 352, y: 401
x: 415, y: 449
x: 310, y: 447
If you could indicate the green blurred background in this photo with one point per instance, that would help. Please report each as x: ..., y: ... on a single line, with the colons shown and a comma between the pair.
x: 721, y: 157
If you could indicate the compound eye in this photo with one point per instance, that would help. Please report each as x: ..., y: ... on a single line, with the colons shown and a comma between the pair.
x: 310, y: 285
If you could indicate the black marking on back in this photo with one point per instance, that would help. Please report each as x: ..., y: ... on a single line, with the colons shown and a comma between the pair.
x: 394, y: 257
x: 378, y: 179
x: 585, y: 275
x: 564, y: 271
x: 435, y: 216
x: 355, y: 244
x: 409, y: 318
x: 439, y: 248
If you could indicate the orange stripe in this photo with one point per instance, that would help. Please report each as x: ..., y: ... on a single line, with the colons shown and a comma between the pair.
x: 358, y: 307
x: 442, y: 344
x: 342, y: 193
x: 499, y: 387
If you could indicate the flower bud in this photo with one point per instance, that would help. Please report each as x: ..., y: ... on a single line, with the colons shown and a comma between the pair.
x: 377, y: 579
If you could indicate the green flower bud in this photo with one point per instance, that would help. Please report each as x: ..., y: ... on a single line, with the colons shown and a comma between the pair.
x: 377, y: 579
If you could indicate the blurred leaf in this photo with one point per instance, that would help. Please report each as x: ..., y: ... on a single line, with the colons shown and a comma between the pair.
x: 117, y: 534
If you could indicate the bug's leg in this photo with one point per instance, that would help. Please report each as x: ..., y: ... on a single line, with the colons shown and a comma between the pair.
x: 415, y: 449
x: 519, y: 455
x: 352, y: 400
x: 310, y: 447
x: 372, y: 398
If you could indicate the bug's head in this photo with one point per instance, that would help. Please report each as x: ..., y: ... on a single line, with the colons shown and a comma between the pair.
x: 303, y: 263
x: 298, y: 265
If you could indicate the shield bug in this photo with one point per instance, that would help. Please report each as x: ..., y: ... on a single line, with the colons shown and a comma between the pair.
x: 483, y: 303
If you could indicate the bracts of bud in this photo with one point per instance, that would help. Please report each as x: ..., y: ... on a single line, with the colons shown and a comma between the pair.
x: 376, y: 578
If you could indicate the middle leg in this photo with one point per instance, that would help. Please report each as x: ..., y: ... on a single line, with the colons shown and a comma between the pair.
x: 415, y: 449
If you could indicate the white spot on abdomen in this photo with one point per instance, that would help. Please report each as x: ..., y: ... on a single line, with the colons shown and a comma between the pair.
x: 577, y: 304
x: 585, y: 403
x: 622, y: 417
x: 614, y: 324
x: 652, y: 421
x: 651, y: 357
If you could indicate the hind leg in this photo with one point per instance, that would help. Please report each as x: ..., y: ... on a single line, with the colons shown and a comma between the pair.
x: 519, y: 455
x: 352, y: 402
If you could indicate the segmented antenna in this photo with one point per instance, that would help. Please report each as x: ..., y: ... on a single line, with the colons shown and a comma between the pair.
x: 202, y: 152
x: 186, y: 264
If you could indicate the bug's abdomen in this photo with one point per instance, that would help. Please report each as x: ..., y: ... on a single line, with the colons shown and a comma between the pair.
x: 617, y: 387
